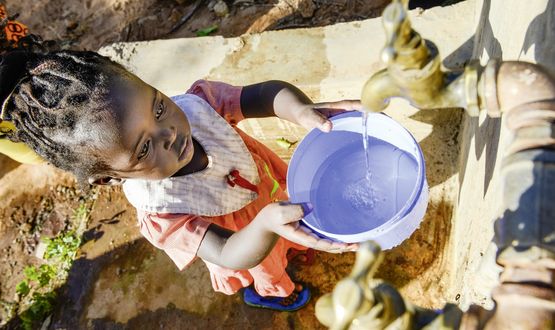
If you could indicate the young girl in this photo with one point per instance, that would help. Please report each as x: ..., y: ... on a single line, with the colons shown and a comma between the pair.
x: 201, y: 186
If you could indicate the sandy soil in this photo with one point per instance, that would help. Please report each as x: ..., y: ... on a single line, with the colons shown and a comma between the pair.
x: 91, y: 24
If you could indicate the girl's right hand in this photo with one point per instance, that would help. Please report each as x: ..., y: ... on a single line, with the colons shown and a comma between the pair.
x: 283, y: 218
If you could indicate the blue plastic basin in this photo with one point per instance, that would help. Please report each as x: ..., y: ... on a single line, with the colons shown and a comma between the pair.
x: 328, y: 170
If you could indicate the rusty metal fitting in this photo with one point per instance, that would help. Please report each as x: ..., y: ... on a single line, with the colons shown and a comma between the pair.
x: 489, y: 88
x: 530, y: 273
x: 532, y: 124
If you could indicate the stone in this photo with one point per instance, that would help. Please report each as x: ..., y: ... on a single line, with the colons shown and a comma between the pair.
x: 221, y: 9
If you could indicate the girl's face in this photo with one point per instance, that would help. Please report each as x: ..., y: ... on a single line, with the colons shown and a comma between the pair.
x: 155, y: 137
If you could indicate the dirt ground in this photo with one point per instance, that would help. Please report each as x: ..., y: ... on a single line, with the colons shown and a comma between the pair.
x: 91, y: 24
x: 37, y: 201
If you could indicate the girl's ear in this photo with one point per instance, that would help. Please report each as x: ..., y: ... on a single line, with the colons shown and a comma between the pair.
x: 106, y: 181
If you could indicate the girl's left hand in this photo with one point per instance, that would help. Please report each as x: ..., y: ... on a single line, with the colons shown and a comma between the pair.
x: 317, y: 115
x: 283, y: 218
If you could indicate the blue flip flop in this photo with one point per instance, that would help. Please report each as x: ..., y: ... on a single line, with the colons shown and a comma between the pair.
x: 252, y: 298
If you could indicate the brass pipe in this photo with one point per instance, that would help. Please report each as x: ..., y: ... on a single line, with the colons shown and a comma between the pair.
x: 525, y: 94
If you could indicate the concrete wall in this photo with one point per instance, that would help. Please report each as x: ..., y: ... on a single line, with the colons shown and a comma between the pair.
x: 508, y: 30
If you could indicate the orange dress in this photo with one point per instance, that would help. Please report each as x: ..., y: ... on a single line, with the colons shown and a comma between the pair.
x: 180, y: 235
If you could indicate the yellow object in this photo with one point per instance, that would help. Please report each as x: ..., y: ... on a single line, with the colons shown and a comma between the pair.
x: 284, y: 143
x: 17, y: 151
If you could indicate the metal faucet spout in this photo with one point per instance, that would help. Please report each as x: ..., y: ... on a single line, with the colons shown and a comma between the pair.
x: 414, y: 71
x: 378, y: 90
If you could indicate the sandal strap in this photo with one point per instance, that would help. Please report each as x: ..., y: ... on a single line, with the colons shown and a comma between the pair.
x: 252, y: 298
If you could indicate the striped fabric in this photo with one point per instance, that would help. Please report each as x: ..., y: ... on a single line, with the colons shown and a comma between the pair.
x: 204, y: 193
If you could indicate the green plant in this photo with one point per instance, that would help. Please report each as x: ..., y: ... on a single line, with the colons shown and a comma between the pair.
x: 42, y: 299
x: 62, y: 248
x: 284, y: 143
x: 206, y: 31
x: 42, y: 306
x: 43, y: 280
x: 42, y: 275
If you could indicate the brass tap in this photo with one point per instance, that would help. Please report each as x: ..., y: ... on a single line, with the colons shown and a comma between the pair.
x: 363, y: 302
x: 414, y: 70
x: 414, y: 73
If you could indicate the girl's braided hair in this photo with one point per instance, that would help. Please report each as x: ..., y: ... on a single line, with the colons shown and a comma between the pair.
x: 55, y: 97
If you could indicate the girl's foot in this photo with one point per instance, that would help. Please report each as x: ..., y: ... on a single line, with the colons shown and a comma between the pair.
x: 295, y: 301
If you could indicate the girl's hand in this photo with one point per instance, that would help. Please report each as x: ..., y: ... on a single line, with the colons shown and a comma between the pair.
x: 283, y: 219
x: 317, y: 115
x: 292, y: 105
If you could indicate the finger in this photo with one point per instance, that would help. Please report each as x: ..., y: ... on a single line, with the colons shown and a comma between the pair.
x: 340, y: 247
x: 296, y: 233
x: 302, y: 235
x: 331, y: 112
x: 306, y: 207
x: 291, y: 212
x: 315, y: 119
x: 343, y: 104
x: 331, y: 246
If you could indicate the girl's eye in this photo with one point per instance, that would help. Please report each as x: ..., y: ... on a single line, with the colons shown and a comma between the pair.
x: 144, y: 150
x: 160, y: 110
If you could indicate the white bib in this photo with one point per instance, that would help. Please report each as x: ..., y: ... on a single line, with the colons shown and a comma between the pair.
x: 205, y: 192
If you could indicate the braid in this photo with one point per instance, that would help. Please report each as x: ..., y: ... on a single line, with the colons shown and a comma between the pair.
x: 56, y: 96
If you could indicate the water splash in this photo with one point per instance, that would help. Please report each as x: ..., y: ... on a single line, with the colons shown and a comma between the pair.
x: 361, y: 195
x: 345, y: 201
x: 365, y: 145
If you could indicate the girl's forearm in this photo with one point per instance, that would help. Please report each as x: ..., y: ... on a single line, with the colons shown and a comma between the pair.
x: 271, y: 98
x: 249, y: 246
x: 289, y: 102
x: 243, y: 249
